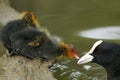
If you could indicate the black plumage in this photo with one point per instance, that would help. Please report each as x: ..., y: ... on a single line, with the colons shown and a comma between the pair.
x: 15, y: 26
x: 107, y: 54
x: 34, y: 44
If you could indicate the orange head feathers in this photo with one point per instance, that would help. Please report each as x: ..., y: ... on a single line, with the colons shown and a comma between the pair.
x: 70, y: 50
x: 30, y: 19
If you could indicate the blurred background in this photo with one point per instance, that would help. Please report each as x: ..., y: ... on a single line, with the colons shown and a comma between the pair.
x: 72, y: 20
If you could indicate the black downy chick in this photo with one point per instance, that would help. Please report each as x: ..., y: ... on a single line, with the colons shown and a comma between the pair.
x: 24, y: 37
x: 33, y: 44
x: 27, y: 20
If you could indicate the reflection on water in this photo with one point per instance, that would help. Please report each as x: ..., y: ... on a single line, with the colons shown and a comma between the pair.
x: 111, y: 32
x: 87, y: 67
x: 67, y: 73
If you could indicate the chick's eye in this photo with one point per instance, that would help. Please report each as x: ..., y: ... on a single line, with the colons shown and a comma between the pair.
x: 71, y: 47
x: 71, y: 50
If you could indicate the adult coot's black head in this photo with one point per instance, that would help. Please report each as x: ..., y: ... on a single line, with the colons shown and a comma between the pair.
x: 106, y: 54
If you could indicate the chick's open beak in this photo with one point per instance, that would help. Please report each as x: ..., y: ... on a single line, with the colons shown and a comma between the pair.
x: 72, y: 53
x: 75, y: 54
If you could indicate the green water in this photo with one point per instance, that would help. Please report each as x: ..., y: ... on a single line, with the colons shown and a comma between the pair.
x: 65, y: 18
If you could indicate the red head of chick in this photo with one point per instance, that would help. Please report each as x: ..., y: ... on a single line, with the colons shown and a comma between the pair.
x: 69, y: 50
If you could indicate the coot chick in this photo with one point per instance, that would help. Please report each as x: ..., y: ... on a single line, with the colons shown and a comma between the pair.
x: 106, y: 54
x: 34, y: 43
x: 25, y: 37
x: 27, y: 20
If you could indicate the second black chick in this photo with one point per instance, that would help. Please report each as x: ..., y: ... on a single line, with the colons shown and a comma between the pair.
x: 27, y: 20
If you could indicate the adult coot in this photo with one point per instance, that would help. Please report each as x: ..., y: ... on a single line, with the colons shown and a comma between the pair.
x: 106, y: 54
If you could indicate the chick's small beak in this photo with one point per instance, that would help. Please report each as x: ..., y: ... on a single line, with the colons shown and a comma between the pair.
x: 72, y: 53
x: 75, y: 54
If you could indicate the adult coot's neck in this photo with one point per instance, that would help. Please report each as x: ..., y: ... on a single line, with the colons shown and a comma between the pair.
x: 107, y: 54
x: 113, y: 71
